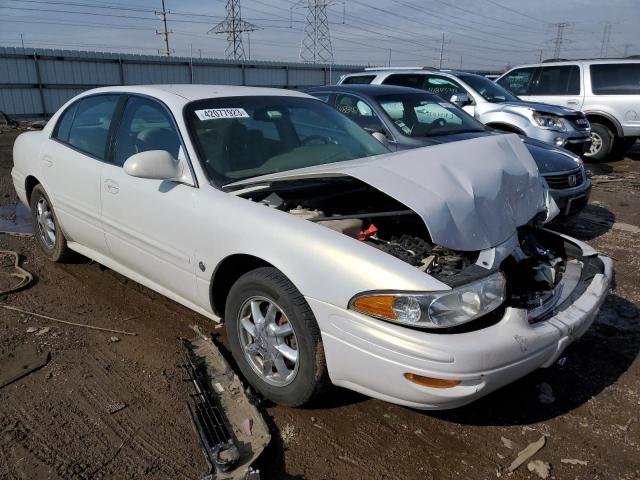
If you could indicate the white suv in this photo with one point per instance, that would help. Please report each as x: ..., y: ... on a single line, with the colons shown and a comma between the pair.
x: 607, y: 91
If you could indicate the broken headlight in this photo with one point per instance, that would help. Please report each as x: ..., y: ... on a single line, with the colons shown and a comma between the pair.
x: 435, y: 309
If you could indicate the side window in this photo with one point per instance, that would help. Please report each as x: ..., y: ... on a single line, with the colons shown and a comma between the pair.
x: 558, y: 80
x: 63, y: 127
x: 359, y: 111
x: 517, y: 81
x: 90, y: 127
x: 145, y: 126
x: 404, y: 80
x: 324, y: 97
x: 358, y: 80
x: 441, y: 86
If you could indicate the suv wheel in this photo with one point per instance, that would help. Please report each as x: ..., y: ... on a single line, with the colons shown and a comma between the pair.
x: 47, y: 228
x: 274, y: 338
x: 601, y: 142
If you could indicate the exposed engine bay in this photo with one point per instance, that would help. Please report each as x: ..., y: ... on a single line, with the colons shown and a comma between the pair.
x: 533, y: 270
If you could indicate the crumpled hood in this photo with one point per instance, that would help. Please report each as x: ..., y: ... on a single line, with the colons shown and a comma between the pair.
x: 538, y: 107
x: 471, y: 195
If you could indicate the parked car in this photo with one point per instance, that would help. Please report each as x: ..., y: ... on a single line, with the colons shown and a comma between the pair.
x: 489, y: 103
x: 410, y: 118
x: 421, y: 277
x: 606, y: 90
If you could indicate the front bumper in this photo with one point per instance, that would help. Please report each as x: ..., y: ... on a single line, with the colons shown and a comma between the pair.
x: 575, y: 141
x: 371, y: 357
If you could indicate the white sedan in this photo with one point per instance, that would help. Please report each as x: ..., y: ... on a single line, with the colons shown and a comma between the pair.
x: 423, y: 278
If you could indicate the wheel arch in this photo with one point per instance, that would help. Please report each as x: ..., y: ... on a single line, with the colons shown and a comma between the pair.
x: 227, y: 272
x: 29, y: 184
x: 606, y: 120
x: 506, y: 127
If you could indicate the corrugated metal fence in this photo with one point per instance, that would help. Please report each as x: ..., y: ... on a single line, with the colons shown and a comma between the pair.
x: 36, y: 82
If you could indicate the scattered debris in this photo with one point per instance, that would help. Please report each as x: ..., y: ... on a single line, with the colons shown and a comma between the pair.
x: 287, y: 433
x: 507, y: 443
x: 17, y: 278
x: 528, y: 452
x: 45, y: 317
x: 625, y: 227
x: 116, y: 407
x: 43, y: 331
x: 114, y: 339
x: 625, y: 427
x: 546, y: 394
x: 245, y: 426
x: 232, y: 432
x: 21, y: 362
x: 573, y: 461
x: 32, y: 329
x: 540, y: 468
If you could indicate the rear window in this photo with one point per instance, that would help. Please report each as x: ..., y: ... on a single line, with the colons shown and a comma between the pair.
x: 615, y: 79
x: 358, y: 80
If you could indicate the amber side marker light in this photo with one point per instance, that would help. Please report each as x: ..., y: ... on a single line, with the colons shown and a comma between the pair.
x: 431, y: 382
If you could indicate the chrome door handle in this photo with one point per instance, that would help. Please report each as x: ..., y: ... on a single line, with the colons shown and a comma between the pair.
x: 572, y: 102
x: 111, y: 187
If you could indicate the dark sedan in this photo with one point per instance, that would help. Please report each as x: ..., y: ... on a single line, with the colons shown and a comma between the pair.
x: 404, y: 118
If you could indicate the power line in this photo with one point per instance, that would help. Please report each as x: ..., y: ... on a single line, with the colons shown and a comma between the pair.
x: 234, y: 27
x: 163, y: 14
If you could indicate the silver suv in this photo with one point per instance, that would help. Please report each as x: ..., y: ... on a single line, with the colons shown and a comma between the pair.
x: 607, y: 91
x: 488, y: 102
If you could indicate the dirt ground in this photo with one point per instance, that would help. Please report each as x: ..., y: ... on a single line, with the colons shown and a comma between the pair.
x: 55, y: 423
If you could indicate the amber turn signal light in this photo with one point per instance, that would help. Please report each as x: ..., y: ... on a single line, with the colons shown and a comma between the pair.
x: 380, y: 306
x: 431, y: 382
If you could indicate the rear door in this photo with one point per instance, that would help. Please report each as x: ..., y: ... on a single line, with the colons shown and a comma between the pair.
x: 149, y: 224
x: 71, y: 165
x: 558, y: 85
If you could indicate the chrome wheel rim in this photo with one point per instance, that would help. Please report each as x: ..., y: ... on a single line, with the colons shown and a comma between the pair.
x: 596, y: 144
x: 268, y: 341
x: 46, y: 225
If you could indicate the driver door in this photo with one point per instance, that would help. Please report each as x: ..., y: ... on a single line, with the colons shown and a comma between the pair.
x: 149, y: 224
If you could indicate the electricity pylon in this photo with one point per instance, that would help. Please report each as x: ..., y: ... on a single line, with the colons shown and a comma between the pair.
x: 234, y: 27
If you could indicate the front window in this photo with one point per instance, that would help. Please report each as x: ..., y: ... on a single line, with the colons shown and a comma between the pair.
x: 518, y: 80
x: 490, y: 91
x: 243, y: 137
x: 421, y: 115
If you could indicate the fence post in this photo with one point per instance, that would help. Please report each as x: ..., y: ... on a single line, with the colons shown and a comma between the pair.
x: 287, y: 81
x: 244, y: 78
x: 40, y: 86
x: 121, y: 70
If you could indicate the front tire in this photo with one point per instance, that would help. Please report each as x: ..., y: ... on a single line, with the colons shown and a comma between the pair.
x: 275, y: 339
x: 601, y: 142
x: 47, y: 228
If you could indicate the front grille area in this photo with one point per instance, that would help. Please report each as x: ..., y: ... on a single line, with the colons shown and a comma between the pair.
x: 579, y: 122
x: 565, y: 180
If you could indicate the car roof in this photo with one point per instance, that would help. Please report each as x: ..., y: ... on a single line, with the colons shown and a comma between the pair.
x: 188, y: 93
x: 585, y: 61
x: 367, y: 90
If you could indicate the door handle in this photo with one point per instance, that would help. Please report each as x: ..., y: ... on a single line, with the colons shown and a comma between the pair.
x: 572, y: 102
x: 111, y: 187
x: 46, y: 161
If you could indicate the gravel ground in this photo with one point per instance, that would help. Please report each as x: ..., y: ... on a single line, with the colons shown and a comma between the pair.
x: 55, y: 422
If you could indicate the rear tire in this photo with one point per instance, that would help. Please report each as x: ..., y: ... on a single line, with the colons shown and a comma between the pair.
x: 46, y: 227
x: 601, y: 142
x: 265, y: 344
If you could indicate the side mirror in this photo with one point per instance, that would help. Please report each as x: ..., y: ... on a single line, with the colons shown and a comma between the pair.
x: 154, y: 164
x: 460, y: 99
x: 381, y: 137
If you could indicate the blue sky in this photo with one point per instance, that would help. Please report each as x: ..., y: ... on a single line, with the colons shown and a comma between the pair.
x: 478, y: 33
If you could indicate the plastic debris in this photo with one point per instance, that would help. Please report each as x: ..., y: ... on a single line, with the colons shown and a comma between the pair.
x: 573, y: 461
x: 540, y: 468
x: 546, y: 394
x: 42, y: 331
x: 246, y: 426
x: 114, y: 339
x: 507, y: 443
x: 528, y: 452
x: 116, y: 407
x: 32, y: 330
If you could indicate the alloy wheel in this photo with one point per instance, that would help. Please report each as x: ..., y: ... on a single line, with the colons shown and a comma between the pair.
x: 46, y: 225
x: 596, y: 144
x: 268, y: 341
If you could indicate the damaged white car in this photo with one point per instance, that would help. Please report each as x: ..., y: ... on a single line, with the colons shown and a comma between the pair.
x: 424, y: 278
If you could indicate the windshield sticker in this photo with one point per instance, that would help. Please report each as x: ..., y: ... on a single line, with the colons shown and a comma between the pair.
x: 217, y: 113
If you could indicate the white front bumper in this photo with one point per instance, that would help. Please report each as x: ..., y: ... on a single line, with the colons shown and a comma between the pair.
x: 371, y: 356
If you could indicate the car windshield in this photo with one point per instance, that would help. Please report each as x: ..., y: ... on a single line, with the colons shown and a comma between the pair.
x: 243, y: 137
x: 423, y: 115
x: 490, y: 91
